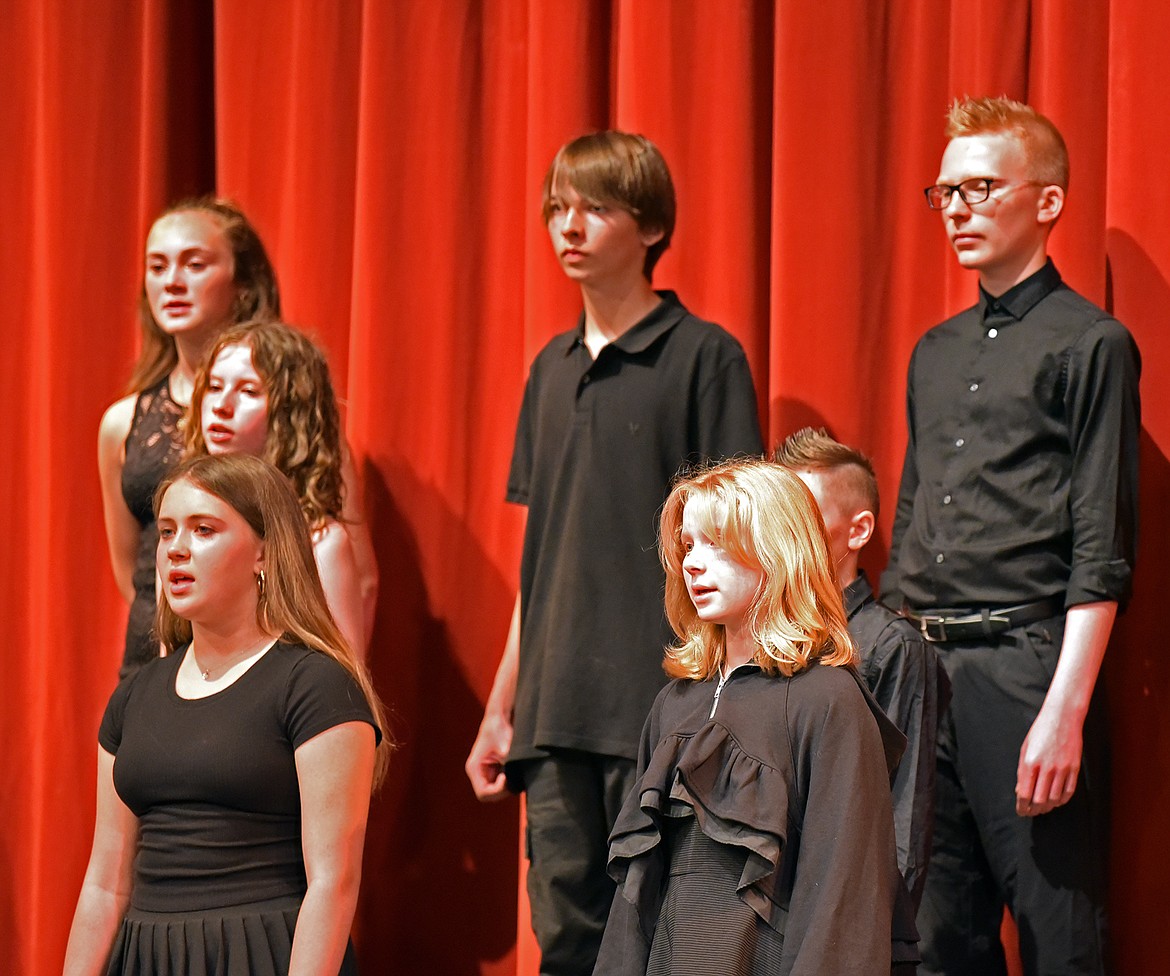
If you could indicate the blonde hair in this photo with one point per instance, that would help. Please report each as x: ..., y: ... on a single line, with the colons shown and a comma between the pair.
x: 1041, y: 141
x: 303, y: 429
x: 814, y: 449
x: 764, y: 517
x: 291, y: 602
x: 621, y: 169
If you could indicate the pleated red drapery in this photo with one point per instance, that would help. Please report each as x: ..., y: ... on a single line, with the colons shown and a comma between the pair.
x: 391, y: 154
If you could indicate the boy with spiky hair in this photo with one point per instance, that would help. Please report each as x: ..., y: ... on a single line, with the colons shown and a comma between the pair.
x: 899, y: 667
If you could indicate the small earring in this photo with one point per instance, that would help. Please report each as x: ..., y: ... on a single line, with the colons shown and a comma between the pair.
x: 260, y: 583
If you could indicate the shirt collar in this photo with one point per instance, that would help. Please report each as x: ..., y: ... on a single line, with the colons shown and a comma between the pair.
x: 857, y: 594
x: 639, y: 337
x: 1020, y: 299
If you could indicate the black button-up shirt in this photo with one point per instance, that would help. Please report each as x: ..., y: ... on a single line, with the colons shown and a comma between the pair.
x: 1020, y: 478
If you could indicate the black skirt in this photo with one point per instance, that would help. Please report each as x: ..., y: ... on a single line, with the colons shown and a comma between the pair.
x: 245, y: 940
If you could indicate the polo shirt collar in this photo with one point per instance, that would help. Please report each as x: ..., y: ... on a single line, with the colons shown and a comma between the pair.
x: 1020, y: 299
x: 639, y: 337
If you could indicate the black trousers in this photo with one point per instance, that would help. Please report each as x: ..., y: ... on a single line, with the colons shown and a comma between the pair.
x: 573, y: 799
x: 1050, y: 871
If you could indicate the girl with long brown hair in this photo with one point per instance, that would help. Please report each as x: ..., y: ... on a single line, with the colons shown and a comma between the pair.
x: 234, y: 774
x: 206, y: 269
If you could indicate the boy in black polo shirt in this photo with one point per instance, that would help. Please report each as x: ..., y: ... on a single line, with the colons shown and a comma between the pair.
x: 612, y: 410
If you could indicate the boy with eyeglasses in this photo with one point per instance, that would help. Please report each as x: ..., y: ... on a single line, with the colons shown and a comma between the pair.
x: 1013, y: 548
x: 612, y: 411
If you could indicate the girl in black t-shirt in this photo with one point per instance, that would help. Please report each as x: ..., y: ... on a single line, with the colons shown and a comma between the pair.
x: 234, y: 773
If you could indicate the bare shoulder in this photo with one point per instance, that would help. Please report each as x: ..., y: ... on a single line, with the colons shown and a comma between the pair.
x: 115, y: 424
x: 331, y: 540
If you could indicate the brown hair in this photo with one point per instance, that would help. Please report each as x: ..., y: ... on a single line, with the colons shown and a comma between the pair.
x: 258, y: 296
x: 813, y: 449
x: 292, y: 602
x: 764, y: 517
x: 1041, y: 141
x: 304, y: 430
x: 621, y: 169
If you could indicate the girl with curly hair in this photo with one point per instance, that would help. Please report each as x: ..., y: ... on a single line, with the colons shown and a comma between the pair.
x: 265, y: 389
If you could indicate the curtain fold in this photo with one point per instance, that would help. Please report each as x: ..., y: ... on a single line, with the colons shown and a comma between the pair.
x: 391, y: 155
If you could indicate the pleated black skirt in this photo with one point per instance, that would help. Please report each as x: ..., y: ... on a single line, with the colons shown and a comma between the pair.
x: 704, y: 928
x: 245, y: 940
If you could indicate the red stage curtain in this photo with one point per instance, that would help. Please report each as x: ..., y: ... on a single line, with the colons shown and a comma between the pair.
x: 391, y: 154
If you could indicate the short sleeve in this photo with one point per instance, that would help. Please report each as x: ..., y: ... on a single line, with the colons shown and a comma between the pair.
x: 520, y: 472
x: 729, y: 424
x: 110, y: 730
x: 321, y: 694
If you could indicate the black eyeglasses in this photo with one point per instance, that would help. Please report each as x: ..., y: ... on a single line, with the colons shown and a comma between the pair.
x: 972, y: 191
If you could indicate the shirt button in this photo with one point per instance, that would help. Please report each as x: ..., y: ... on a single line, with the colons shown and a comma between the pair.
x: 973, y: 387
x: 940, y: 558
x: 992, y: 333
x: 584, y: 379
x: 960, y: 442
x: 946, y: 499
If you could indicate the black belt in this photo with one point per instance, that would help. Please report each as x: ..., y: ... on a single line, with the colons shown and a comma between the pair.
x: 962, y: 624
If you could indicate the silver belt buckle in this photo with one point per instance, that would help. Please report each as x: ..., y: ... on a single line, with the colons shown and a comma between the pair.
x: 927, y: 620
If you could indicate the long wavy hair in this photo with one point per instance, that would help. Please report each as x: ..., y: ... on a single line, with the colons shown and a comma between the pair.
x: 303, y: 436
x: 764, y: 517
x: 292, y: 602
x: 258, y: 296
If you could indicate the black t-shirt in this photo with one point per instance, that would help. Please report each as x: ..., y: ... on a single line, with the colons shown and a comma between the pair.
x: 597, y: 445
x: 213, y: 780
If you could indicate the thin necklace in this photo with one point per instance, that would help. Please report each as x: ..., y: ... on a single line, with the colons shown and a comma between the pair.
x: 206, y: 672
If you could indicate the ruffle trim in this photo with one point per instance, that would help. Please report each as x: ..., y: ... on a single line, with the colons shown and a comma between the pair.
x: 737, y: 800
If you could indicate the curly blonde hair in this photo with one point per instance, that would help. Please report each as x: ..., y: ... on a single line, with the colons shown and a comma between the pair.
x: 304, y: 429
x: 764, y: 517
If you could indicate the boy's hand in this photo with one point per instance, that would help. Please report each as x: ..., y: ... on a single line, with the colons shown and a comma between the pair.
x: 485, y: 762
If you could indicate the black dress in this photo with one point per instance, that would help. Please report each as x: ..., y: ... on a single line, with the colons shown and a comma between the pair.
x: 219, y: 875
x: 153, y: 448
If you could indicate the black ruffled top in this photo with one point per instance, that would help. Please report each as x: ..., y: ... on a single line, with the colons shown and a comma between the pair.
x: 797, y: 772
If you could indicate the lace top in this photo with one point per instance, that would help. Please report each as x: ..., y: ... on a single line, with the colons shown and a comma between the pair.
x: 153, y: 448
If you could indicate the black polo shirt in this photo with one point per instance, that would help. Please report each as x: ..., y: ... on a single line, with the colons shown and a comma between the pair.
x: 597, y: 446
x: 1020, y: 479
